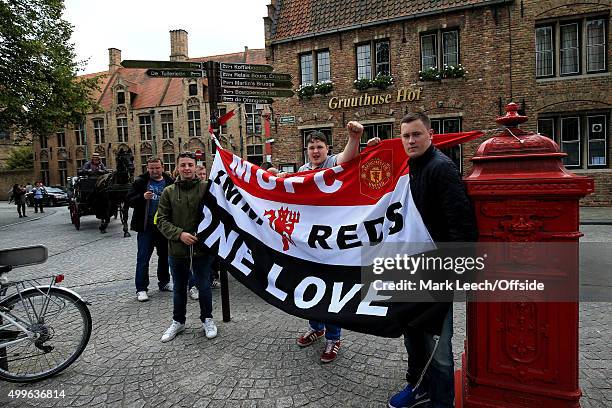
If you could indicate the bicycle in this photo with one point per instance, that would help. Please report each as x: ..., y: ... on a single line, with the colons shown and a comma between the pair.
x: 43, y: 328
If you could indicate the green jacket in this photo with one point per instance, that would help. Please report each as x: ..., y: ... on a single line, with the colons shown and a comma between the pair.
x: 179, y: 211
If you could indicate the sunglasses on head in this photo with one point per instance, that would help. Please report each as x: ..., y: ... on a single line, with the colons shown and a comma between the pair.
x: 189, y: 155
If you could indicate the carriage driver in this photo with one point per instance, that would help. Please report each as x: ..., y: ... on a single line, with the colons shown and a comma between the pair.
x: 94, y: 165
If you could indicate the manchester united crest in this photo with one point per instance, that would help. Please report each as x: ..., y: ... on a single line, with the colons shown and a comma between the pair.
x: 375, y: 173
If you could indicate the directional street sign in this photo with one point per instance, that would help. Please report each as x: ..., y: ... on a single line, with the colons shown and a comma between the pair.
x: 225, y: 66
x: 161, y: 64
x: 255, y: 83
x: 176, y: 73
x: 244, y: 99
x: 271, y: 93
x: 270, y: 76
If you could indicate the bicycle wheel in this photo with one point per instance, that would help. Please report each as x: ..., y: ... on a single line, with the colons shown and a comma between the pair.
x: 62, y: 323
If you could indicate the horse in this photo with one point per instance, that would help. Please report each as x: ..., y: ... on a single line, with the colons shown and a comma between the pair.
x: 111, y: 190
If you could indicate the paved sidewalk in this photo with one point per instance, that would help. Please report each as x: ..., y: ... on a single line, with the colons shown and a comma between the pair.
x: 254, y: 362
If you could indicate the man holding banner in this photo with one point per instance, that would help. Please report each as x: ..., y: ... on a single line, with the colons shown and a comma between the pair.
x: 318, y: 158
x: 440, y: 198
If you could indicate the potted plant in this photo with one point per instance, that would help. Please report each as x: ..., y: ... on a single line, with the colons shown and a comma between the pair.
x: 430, y: 74
x: 362, y: 84
x: 382, y: 81
x: 324, y: 87
x: 305, y: 91
x: 453, y: 71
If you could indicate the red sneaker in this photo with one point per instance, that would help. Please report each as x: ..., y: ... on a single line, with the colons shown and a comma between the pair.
x: 310, y: 337
x: 331, y: 351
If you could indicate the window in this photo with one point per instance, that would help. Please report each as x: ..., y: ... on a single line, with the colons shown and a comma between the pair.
x: 223, y: 128
x: 167, y: 125
x: 569, y: 49
x: 44, y: 172
x: 369, y: 66
x: 61, y: 139
x: 596, y: 45
x: 381, y: 130
x: 255, y: 152
x: 575, y: 47
x: 193, y: 122
x: 99, y: 130
x: 80, y: 163
x: 544, y: 52
x: 253, y: 119
x: 193, y: 89
x: 440, y: 43
x: 287, y: 168
x: 63, y: 172
x: 143, y: 162
x: 79, y: 134
x: 328, y: 134
x: 44, y: 142
x: 169, y: 162
x: 450, y: 125
x: 580, y: 135
x: 120, y: 97
x: 146, y: 130
x: 311, y: 74
x: 122, y: 130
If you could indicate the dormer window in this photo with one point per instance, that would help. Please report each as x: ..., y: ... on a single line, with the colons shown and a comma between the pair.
x: 193, y: 89
x: 120, y: 97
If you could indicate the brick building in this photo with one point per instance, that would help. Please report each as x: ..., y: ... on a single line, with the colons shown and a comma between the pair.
x: 151, y: 116
x: 552, y: 57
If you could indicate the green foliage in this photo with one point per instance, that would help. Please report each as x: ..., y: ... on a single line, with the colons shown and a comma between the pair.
x: 305, y: 91
x: 382, y: 81
x: 324, y: 87
x: 430, y: 74
x: 20, y: 158
x: 39, y: 92
x: 362, y: 84
x: 453, y: 71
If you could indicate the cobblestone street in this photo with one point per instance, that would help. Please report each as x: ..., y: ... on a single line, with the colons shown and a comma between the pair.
x: 254, y: 361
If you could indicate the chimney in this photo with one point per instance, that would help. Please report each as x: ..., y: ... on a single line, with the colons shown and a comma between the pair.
x: 178, y: 45
x: 114, y: 59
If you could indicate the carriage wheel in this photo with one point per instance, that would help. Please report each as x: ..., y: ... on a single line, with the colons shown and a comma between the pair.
x: 75, y: 217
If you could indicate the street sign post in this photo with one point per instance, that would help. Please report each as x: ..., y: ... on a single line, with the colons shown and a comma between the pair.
x: 255, y: 83
x: 225, y: 66
x: 263, y: 76
x: 269, y: 93
x: 244, y: 99
x: 161, y: 64
x: 176, y: 73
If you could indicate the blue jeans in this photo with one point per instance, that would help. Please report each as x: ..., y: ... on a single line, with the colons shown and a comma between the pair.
x: 331, y: 332
x: 180, y: 277
x: 147, y: 240
x: 439, y: 380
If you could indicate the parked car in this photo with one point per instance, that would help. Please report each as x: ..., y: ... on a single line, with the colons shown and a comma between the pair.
x: 54, y: 197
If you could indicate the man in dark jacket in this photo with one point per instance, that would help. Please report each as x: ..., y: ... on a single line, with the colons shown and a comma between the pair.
x: 144, y: 197
x: 439, y: 195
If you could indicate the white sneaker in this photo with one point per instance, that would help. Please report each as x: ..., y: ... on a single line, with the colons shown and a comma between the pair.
x: 194, y: 293
x: 209, y: 328
x: 167, y: 287
x: 174, y: 329
x: 142, y: 296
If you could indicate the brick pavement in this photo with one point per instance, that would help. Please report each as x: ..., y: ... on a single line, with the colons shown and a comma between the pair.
x: 254, y: 361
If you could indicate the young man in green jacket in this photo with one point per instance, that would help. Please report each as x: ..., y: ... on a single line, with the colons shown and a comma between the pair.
x: 178, y: 217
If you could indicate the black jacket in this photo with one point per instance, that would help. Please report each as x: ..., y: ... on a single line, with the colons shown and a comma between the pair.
x: 135, y: 199
x: 440, y: 197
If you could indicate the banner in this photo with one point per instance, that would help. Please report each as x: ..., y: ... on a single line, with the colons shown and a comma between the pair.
x: 299, y: 242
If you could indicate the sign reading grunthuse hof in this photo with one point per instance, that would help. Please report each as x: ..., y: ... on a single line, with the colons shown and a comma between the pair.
x: 402, y: 95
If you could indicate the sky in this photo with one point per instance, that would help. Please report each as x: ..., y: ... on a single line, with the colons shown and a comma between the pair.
x: 140, y: 29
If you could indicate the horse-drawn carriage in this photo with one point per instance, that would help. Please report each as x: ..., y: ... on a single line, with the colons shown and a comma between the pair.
x: 102, y: 193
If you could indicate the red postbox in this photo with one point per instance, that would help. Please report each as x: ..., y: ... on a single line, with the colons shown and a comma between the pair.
x: 523, y: 354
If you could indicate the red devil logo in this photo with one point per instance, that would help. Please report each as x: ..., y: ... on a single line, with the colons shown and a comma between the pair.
x: 283, y: 221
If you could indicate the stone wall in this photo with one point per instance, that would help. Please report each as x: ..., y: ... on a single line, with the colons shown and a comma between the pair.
x: 10, y: 177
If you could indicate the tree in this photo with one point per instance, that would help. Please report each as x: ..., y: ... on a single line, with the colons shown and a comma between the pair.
x: 20, y: 158
x: 39, y: 91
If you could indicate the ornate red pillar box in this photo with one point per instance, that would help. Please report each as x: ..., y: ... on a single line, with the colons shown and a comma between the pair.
x: 525, y: 353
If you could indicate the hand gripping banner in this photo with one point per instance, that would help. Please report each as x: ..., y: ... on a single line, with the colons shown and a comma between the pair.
x: 299, y: 242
